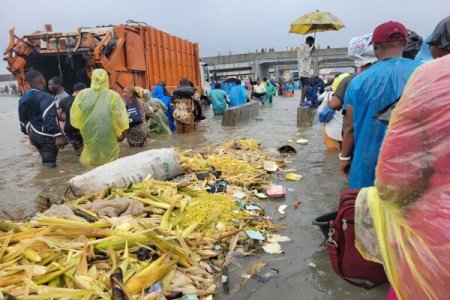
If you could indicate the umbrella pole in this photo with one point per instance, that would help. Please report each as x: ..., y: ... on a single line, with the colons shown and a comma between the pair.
x: 316, y: 60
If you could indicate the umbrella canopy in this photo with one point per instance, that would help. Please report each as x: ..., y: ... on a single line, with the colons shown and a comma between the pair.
x: 231, y: 79
x: 316, y: 22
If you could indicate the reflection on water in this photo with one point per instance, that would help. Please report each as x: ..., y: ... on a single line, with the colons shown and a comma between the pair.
x: 22, y: 180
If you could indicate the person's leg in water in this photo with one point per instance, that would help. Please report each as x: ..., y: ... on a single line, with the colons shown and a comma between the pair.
x: 47, y: 149
x: 305, y: 84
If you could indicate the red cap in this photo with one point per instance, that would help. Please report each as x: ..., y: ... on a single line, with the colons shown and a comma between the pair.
x: 383, y: 32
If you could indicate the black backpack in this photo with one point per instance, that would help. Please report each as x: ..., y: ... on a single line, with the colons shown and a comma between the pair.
x: 134, y: 114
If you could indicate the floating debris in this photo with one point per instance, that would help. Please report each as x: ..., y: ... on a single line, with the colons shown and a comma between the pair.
x: 276, y: 191
x: 302, y: 141
x: 272, y: 248
x: 276, y: 238
x: 270, y: 166
x: 281, y: 209
x: 287, y: 149
x: 255, y: 235
x: 293, y: 176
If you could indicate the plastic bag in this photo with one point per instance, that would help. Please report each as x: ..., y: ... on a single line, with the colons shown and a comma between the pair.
x: 360, y: 50
x: 424, y: 53
x: 440, y: 36
x: 100, y: 115
x: 410, y: 207
x: 413, y: 45
x: 326, y: 115
x: 161, y: 164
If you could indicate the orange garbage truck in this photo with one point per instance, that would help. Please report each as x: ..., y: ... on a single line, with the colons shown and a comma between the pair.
x: 131, y: 54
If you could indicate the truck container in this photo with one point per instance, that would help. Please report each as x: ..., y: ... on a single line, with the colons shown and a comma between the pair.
x: 131, y: 54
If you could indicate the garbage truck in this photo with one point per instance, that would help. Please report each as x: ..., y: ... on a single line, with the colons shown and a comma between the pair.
x: 132, y: 54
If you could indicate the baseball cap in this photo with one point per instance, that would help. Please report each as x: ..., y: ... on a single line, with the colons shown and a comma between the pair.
x: 383, y: 33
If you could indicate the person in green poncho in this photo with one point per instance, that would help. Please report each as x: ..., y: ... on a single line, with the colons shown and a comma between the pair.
x: 158, y: 122
x: 270, y: 91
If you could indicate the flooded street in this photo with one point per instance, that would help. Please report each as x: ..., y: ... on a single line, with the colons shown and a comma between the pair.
x: 23, y: 179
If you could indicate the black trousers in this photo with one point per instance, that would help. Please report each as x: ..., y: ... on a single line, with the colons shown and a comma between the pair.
x: 47, y: 148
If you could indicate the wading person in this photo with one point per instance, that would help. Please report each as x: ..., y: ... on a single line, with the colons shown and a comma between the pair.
x: 184, y: 111
x: 238, y: 95
x: 259, y: 90
x: 72, y: 133
x: 37, y: 115
x: 55, y: 86
x: 160, y: 92
x: 368, y: 93
x: 100, y: 115
x: 158, y: 122
x: 138, y: 113
x: 270, y: 91
x: 219, y: 100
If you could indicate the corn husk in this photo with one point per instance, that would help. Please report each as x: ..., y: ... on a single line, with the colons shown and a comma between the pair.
x: 183, y: 230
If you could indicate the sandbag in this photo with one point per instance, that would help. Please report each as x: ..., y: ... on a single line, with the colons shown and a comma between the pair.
x: 160, y: 164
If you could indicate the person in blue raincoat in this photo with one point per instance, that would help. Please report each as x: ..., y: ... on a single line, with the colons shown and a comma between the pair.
x: 368, y: 93
x: 424, y: 53
x: 237, y: 95
x: 219, y: 99
x: 161, y: 93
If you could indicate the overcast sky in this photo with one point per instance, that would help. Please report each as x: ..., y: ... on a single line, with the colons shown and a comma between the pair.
x: 221, y: 26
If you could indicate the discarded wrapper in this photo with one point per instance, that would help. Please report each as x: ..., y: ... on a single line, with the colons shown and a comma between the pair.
x: 259, y: 195
x: 293, y: 176
x: 270, y: 166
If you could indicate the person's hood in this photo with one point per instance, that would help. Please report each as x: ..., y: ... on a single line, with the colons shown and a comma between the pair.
x: 158, y: 91
x: 99, y: 80
x: 440, y: 37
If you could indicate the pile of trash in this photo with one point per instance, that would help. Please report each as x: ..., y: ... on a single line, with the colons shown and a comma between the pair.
x: 150, y: 240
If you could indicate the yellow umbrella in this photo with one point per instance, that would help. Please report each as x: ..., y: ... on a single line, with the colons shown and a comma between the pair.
x: 316, y: 22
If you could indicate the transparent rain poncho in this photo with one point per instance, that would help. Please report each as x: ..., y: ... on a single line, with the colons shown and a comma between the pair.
x: 404, y: 221
x: 100, y: 115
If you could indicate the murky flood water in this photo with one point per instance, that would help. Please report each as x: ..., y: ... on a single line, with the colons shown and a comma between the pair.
x: 22, y: 180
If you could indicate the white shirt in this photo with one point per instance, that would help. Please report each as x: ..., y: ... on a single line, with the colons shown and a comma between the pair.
x: 304, y: 61
x: 58, y: 97
x: 333, y: 128
x: 259, y: 89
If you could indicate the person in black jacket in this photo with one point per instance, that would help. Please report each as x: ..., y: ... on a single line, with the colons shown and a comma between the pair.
x: 38, y: 119
x: 63, y: 111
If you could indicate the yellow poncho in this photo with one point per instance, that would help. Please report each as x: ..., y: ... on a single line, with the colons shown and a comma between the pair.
x: 101, y: 116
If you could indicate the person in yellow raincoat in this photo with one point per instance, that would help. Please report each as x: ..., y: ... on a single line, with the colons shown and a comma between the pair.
x: 100, y: 115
